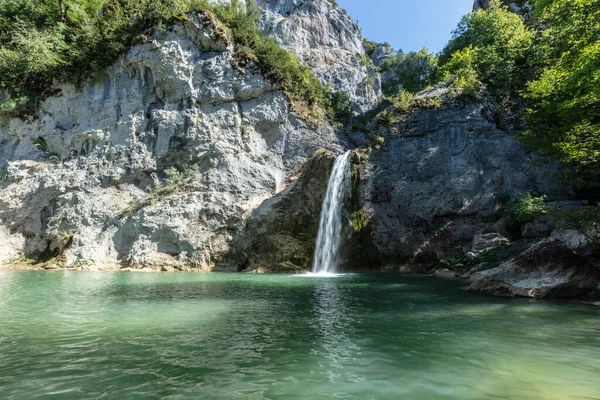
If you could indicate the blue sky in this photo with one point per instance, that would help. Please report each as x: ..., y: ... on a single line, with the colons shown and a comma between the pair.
x: 408, y: 24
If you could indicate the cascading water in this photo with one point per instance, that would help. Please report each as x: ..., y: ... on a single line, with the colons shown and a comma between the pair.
x: 332, y: 218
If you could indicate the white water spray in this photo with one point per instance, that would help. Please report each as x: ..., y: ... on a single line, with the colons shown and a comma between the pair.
x: 332, y: 218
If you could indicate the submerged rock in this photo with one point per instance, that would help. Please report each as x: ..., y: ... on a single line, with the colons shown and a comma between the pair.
x: 547, y: 270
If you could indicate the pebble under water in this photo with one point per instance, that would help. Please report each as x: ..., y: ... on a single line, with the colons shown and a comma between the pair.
x: 77, y: 335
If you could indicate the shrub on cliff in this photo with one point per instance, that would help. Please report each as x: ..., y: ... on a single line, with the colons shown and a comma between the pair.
x: 414, y: 71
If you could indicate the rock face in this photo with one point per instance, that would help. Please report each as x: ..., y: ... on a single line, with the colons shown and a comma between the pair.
x: 158, y: 163
x: 323, y: 36
x: 381, y: 54
x: 521, y: 7
x: 281, y: 233
x: 441, y: 177
x: 485, y: 4
x: 545, y: 271
x: 488, y: 241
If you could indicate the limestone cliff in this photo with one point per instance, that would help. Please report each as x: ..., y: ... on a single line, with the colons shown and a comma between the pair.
x: 176, y: 158
x: 440, y: 175
x: 157, y: 163
x: 322, y: 35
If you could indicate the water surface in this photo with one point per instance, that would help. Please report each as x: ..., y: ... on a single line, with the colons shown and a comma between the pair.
x: 73, y: 335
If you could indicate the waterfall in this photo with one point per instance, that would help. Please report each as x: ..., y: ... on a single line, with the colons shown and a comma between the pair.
x: 332, y: 218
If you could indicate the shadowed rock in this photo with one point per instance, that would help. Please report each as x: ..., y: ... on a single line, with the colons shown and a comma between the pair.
x: 547, y: 270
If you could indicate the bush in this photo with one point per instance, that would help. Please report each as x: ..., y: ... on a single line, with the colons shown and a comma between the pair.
x: 403, y: 100
x: 564, y: 117
x: 414, y: 71
x: 524, y: 208
x: 339, y: 106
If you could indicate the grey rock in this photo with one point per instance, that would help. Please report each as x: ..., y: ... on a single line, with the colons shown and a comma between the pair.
x: 571, y: 238
x: 541, y: 227
x: 547, y: 270
x: 381, y: 54
x: 89, y: 164
x: 282, y: 231
x: 441, y: 172
x: 478, y: 4
x: 325, y: 38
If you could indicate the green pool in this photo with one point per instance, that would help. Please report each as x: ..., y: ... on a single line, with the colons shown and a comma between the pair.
x: 75, y: 335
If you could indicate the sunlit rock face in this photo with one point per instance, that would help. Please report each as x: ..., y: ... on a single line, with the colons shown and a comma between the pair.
x: 442, y: 176
x: 95, y: 168
x: 323, y: 36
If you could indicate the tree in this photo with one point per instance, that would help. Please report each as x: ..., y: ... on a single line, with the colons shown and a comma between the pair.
x: 564, y: 116
x: 500, y: 42
x: 414, y: 71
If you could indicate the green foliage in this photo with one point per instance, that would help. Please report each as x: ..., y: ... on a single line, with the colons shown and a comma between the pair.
x: 553, y: 73
x: 524, y: 207
x: 365, y: 60
x: 460, y: 71
x: 564, y: 118
x: 360, y: 221
x: 370, y: 46
x: 403, y: 100
x: 414, y: 71
x: 387, y: 118
x: 70, y: 39
x: 498, y: 42
x: 338, y: 106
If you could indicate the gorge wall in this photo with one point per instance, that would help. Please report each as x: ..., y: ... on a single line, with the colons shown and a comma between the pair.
x: 176, y: 159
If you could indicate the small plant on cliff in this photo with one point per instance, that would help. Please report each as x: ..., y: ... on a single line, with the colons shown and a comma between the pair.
x: 403, y: 100
x: 175, y: 181
x: 524, y: 207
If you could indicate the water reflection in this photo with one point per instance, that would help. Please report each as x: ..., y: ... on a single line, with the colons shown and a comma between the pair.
x: 335, y: 348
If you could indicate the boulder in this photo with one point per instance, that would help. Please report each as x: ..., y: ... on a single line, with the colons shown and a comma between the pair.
x: 548, y: 270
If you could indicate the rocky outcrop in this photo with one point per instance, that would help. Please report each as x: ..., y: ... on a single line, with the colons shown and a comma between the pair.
x: 442, y: 175
x: 521, y: 7
x: 547, y: 270
x: 478, y: 4
x: 280, y: 234
x: 381, y: 54
x: 158, y: 162
x: 322, y: 35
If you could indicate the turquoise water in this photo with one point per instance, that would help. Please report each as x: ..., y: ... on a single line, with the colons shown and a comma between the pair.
x: 74, y: 335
